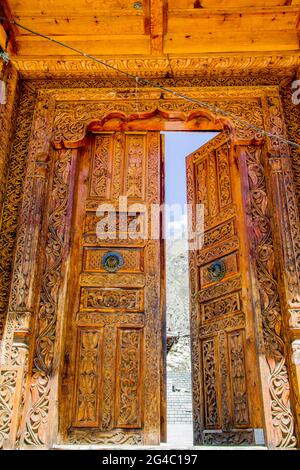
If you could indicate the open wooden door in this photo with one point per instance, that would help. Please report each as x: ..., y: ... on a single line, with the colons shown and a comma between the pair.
x: 226, y: 391
x: 112, y: 374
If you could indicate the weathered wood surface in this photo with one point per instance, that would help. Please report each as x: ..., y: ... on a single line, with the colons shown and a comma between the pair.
x: 150, y: 29
x: 111, y: 374
x: 226, y: 392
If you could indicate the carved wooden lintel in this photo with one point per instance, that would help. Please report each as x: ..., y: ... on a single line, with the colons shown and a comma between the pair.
x: 283, y: 64
x: 156, y: 119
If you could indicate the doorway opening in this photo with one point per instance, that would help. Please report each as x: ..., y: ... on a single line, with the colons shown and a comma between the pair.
x: 178, y: 145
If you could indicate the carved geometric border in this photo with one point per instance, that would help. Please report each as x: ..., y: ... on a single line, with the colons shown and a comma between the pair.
x: 147, y: 66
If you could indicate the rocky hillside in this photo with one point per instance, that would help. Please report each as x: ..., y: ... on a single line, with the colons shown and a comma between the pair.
x: 178, y: 304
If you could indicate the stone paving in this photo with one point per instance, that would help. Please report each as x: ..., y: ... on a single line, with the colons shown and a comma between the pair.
x: 179, y: 397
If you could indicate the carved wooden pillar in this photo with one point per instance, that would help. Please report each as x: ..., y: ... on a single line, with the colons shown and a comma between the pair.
x: 41, y: 391
x: 265, y: 294
x: 18, y: 335
x: 287, y: 238
x: 7, y: 119
x: 286, y: 230
x: 290, y: 93
x: 9, y: 75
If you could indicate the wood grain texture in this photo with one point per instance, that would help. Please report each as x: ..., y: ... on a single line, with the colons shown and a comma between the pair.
x: 108, y: 371
x: 157, y: 28
x: 226, y: 396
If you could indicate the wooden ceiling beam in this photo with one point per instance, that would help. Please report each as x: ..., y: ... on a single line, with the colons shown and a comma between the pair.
x: 9, y: 29
x: 156, y: 24
x: 298, y: 23
x: 216, y: 42
x: 90, y: 7
x: 3, y: 38
x: 34, y: 46
x: 222, y: 4
x: 196, y: 13
x: 76, y: 25
x: 232, y: 22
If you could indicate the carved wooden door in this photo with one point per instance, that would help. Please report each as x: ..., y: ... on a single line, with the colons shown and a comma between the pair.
x: 226, y: 397
x: 111, y: 375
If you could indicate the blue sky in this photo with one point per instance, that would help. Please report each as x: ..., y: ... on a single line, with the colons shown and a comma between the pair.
x: 177, y: 146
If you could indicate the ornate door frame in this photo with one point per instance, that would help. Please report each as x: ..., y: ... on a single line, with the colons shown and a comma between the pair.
x: 61, y: 119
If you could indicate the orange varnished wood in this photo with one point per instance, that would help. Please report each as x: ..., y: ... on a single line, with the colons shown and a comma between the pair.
x: 111, y: 384
x: 155, y: 28
x: 226, y: 389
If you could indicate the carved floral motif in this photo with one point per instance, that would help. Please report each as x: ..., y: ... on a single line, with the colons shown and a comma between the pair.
x: 8, y: 379
x: 282, y: 417
x: 224, y: 306
x: 238, y: 379
x: 107, y: 299
x: 87, y: 386
x: 210, y: 384
x: 128, y: 384
x: 224, y: 176
x: 101, y: 168
x: 230, y: 66
x: 135, y: 150
x: 46, y: 331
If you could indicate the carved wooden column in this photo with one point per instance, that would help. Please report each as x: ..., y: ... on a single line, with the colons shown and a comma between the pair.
x: 286, y: 229
x: 9, y: 75
x: 18, y: 336
x: 41, y: 391
x: 264, y: 292
x: 7, y: 119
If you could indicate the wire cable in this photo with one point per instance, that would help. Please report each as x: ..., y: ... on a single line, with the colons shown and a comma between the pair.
x: 212, y: 108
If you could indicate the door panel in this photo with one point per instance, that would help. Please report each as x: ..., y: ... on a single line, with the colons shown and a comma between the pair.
x: 111, y: 377
x: 226, y: 399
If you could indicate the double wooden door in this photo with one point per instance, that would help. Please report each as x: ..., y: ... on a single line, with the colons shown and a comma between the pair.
x: 113, y: 373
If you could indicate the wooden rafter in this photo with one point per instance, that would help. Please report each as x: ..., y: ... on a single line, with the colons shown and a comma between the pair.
x: 156, y: 24
x: 7, y: 29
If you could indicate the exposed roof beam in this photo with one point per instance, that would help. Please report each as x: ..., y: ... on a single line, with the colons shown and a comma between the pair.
x: 192, y: 12
x: 156, y: 11
x: 9, y: 29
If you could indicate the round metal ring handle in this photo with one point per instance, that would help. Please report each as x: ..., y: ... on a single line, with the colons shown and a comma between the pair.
x: 112, y: 261
x: 217, y: 270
